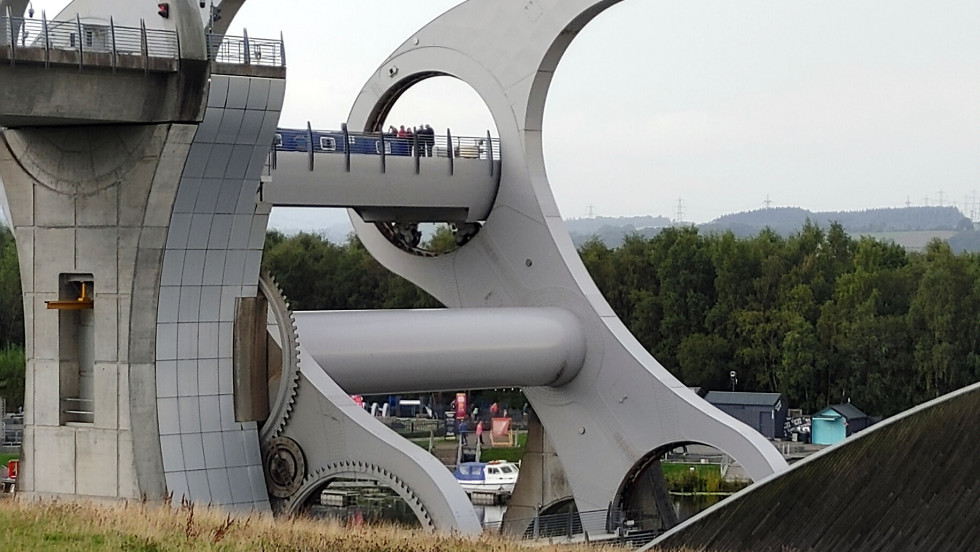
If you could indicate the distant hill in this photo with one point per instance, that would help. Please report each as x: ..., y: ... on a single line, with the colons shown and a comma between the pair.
x: 911, y: 227
x: 587, y: 226
x: 612, y: 230
x: 786, y: 220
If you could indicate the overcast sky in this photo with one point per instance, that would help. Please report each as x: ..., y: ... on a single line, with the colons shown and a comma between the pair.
x: 825, y: 105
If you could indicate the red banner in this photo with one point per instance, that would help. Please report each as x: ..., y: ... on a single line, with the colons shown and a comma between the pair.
x: 460, y: 406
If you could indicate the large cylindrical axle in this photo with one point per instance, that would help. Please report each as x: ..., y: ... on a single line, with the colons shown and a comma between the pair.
x: 372, y: 352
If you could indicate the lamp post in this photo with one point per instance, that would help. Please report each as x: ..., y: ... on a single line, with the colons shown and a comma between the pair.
x: 734, y: 379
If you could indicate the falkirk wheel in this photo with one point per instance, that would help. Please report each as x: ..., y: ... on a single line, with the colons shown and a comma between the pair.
x: 154, y: 347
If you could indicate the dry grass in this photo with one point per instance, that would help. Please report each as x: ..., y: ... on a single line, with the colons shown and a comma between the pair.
x: 59, y: 526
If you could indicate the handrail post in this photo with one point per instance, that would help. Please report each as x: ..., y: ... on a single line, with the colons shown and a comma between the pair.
x: 490, y: 151
x: 177, y: 55
x: 415, y: 148
x: 112, y: 32
x: 81, y: 50
x: 144, y: 47
x: 537, y: 522
x: 452, y: 153
x: 343, y: 128
x: 248, y: 53
x: 282, y: 49
x: 309, y: 134
x: 10, y: 35
x: 47, y: 40
x: 384, y: 156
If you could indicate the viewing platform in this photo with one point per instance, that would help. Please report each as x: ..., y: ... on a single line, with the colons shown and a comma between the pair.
x: 77, y: 73
x: 434, y: 178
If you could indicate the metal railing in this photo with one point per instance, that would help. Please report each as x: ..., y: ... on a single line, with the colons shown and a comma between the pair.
x: 386, y: 145
x: 19, y: 33
x: 76, y: 36
x: 626, y: 526
x: 242, y: 50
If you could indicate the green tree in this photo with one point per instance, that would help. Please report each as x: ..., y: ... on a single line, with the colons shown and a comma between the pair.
x: 705, y: 361
x: 11, y: 295
x: 865, y: 328
x: 942, y: 314
x: 686, y: 288
x: 12, y: 370
x: 316, y: 274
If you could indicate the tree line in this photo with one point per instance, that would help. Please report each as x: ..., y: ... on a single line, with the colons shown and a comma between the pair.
x: 818, y: 316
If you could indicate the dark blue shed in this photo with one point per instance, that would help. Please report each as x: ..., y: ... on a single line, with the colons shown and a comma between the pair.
x: 763, y: 412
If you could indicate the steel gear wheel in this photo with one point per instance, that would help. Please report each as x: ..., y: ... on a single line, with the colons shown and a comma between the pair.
x: 359, y: 470
x: 284, y: 466
x: 282, y: 384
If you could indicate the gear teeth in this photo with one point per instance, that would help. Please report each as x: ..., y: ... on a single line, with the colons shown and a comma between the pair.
x: 333, y: 470
x: 289, y: 339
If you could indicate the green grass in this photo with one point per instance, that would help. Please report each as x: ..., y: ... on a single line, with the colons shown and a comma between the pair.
x: 55, y: 526
x: 507, y: 454
x: 704, y: 470
x: 698, y: 478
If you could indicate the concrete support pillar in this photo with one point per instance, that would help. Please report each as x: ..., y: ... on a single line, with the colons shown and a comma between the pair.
x: 542, y: 481
x: 91, y: 204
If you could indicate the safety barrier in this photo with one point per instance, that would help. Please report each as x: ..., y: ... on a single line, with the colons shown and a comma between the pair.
x: 19, y: 33
x: 617, y: 525
x: 242, y: 50
x: 385, y: 145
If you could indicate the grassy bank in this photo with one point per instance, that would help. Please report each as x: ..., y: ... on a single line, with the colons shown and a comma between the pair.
x: 488, y: 453
x: 698, y: 478
x: 508, y: 454
x: 50, y: 527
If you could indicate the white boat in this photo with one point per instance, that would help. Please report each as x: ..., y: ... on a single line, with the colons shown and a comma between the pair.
x: 490, y: 477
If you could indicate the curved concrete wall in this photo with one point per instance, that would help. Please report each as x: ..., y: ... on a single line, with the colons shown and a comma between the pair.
x: 909, y: 483
x: 213, y: 254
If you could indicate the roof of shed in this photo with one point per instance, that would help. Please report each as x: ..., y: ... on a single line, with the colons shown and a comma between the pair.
x: 741, y: 398
x: 846, y: 410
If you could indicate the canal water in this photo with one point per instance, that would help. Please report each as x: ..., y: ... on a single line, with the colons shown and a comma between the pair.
x: 686, y: 506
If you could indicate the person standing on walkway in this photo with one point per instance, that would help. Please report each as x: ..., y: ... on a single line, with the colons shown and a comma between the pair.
x: 479, y: 432
x: 429, y: 139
